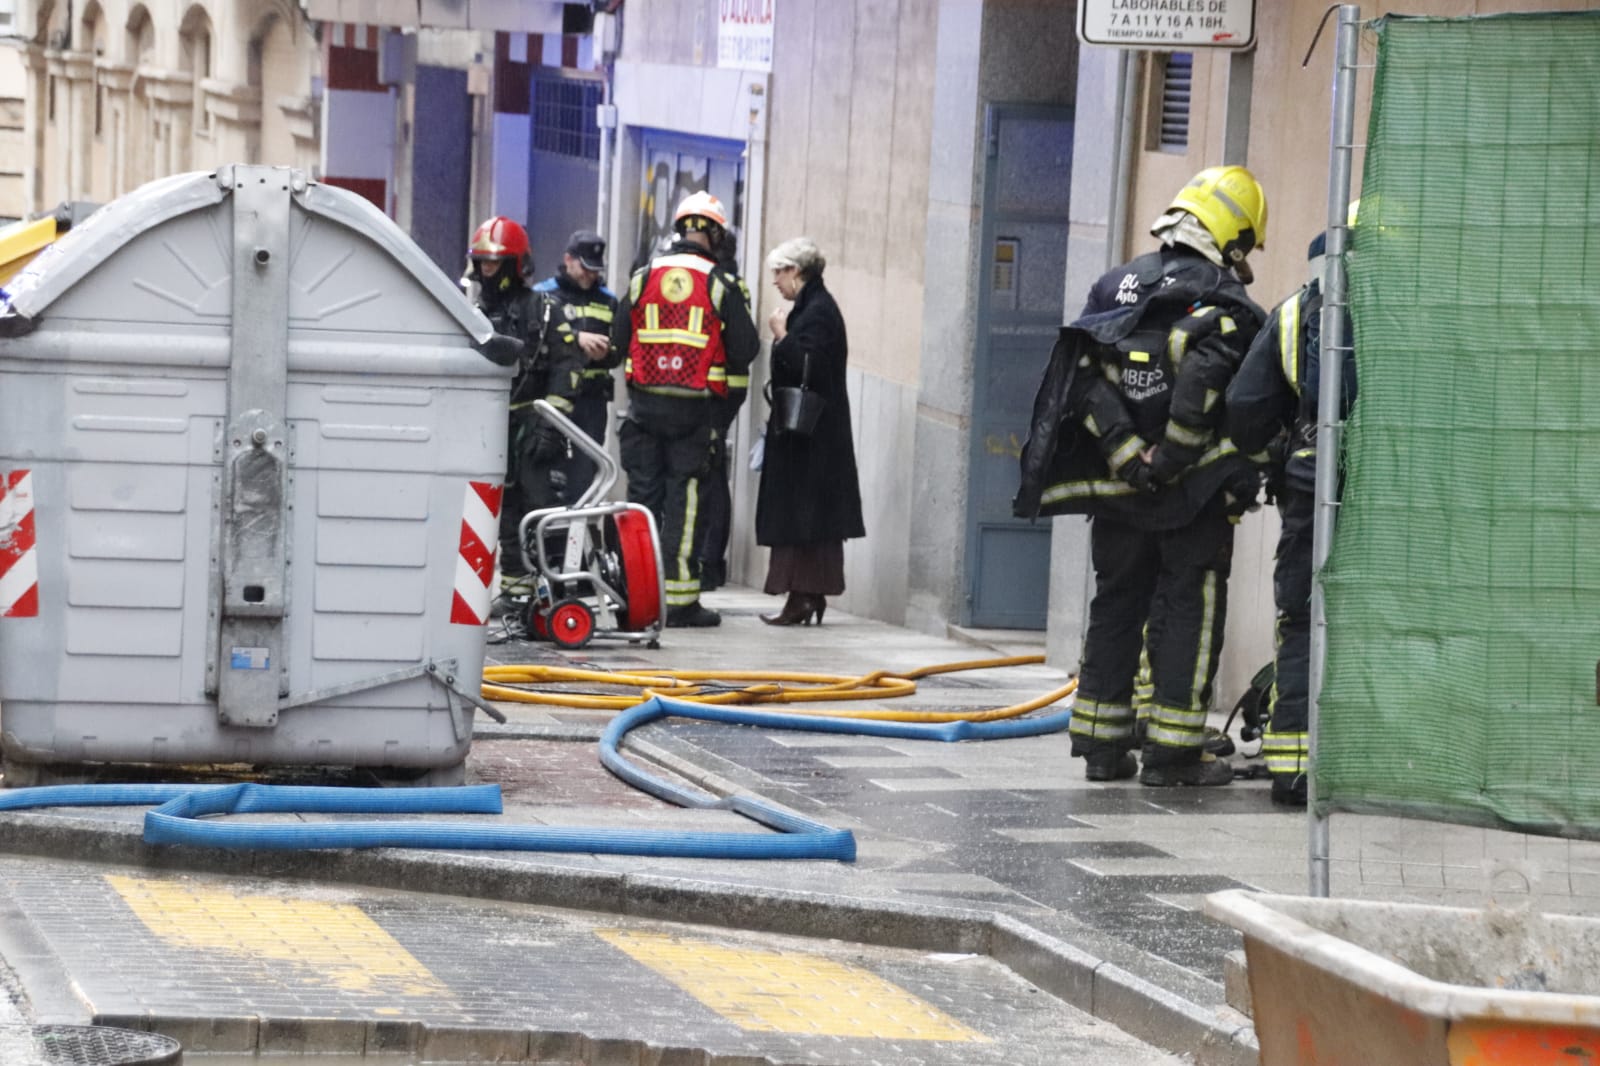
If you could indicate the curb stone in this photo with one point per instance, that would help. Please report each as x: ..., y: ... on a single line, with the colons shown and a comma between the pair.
x: 1095, y: 986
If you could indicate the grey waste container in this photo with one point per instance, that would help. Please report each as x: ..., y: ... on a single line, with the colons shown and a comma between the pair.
x: 250, y: 469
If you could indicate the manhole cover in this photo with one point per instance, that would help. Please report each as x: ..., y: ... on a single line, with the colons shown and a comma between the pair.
x: 85, y: 1045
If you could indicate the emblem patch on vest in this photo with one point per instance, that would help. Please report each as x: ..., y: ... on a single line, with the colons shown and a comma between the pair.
x: 676, y: 285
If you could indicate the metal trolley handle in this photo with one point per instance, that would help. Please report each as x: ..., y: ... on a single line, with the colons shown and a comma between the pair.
x: 605, y: 466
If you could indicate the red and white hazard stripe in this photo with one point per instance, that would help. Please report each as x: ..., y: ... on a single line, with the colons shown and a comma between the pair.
x: 19, y: 561
x: 480, y: 537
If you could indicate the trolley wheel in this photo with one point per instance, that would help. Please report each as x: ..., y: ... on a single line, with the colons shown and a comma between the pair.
x: 534, y: 624
x: 641, y: 569
x: 571, y: 624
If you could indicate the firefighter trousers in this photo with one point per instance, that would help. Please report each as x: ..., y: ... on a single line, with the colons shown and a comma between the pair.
x: 1285, y: 744
x: 529, y: 485
x: 1166, y: 592
x: 590, y: 409
x: 666, y: 464
x: 716, y: 500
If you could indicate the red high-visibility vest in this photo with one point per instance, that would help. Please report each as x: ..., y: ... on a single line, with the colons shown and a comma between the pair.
x: 677, y: 336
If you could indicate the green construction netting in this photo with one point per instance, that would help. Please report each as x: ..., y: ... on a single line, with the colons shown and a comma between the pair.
x: 1463, y: 588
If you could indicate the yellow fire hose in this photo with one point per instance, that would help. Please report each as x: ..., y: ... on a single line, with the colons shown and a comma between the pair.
x: 756, y: 687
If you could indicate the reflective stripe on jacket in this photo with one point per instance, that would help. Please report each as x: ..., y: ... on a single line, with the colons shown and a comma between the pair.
x: 1146, y: 365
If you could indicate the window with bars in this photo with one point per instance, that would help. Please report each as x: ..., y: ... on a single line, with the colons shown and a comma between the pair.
x: 1170, y: 123
x: 564, y: 112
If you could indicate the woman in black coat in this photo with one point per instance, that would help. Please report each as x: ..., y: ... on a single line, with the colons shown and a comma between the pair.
x: 809, y: 502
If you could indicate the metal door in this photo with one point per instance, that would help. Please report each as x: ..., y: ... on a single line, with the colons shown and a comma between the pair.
x: 441, y: 167
x: 1023, y: 259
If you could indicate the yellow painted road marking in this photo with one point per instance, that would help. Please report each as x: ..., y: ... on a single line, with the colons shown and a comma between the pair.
x: 789, y: 992
x: 335, y: 940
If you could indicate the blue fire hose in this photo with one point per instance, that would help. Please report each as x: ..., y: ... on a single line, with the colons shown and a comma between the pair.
x: 179, y: 818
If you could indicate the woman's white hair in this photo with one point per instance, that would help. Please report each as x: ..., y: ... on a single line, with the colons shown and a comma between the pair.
x: 801, y: 253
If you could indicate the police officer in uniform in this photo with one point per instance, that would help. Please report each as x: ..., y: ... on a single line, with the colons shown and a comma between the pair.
x: 588, y: 307
x: 1272, y: 405
x: 687, y: 339
x: 1127, y: 428
x: 550, y: 368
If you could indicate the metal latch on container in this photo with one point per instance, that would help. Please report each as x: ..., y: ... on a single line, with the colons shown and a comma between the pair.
x: 441, y: 672
x: 250, y: 596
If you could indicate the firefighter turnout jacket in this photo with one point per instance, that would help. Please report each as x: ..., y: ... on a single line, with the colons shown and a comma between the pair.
x: 1144, y: 367
x: 1272, y: 401
x: 551, y: 366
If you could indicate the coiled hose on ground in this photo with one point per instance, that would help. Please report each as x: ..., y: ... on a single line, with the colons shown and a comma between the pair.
x: 694, y: 694
x: 761, y: 687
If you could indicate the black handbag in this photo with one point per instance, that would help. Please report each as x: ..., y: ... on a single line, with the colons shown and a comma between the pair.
x: 796, y: 409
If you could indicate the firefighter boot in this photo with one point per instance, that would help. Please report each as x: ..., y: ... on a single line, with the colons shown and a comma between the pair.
x: 695, y: 615
x: 1205, y: 770
x: 1110, y: 765
x: 1289, y: 790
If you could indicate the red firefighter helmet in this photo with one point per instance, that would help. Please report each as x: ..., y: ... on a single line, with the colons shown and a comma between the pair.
x: 501, y: 238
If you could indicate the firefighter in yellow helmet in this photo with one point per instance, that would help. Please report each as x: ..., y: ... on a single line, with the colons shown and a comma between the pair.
x: 1127, y: 429
x: 687, y: 340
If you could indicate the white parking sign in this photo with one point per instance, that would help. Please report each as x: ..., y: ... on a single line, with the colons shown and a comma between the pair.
x: 1168, y: 24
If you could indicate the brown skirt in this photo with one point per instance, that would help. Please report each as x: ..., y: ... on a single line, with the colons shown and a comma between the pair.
x: 816, y: 568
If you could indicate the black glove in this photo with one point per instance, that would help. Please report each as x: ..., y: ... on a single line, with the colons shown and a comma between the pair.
x: 548, y: 445
x: 1273, y: 482
x: 558, y: 483
x: 1139, y: 474
x: 1239, y: 491
x: 717, y: 453
x: 1166, y: 467
x: 502, y: 350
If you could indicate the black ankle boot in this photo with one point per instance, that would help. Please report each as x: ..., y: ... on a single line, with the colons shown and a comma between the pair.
x: 796, y: 611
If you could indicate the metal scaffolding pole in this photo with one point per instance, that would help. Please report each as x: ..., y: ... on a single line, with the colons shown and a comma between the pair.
x: 1335, y: 345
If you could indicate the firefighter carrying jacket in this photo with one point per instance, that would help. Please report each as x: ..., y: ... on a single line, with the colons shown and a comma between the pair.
x: 687, y: 339
x: 1149, y: 370
x: 1272, y: 406
x: 1127, y: 429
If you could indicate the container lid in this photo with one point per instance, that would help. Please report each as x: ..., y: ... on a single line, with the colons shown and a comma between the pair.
x: 70, y: 259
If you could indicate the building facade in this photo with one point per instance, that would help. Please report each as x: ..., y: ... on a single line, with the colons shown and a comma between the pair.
x: 967, y: 165
x: 123, y: 91
x: 970, y: 168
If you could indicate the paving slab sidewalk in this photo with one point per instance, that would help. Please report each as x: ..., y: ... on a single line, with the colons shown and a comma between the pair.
x: 994, y: 851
